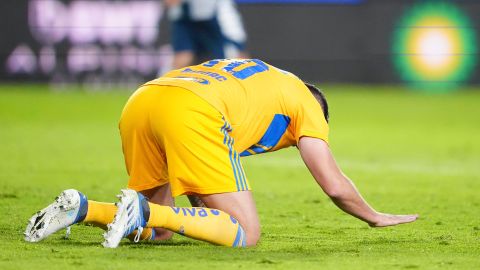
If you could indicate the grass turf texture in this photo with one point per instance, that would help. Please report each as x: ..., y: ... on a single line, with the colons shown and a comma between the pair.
x: 407, y: 152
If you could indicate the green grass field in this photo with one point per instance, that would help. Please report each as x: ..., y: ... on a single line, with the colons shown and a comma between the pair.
x: 407, y: 152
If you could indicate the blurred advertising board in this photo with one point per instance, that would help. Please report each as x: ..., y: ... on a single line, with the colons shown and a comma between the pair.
x: 340, y: 2
x: 78, y: 40
x: 421, y: 43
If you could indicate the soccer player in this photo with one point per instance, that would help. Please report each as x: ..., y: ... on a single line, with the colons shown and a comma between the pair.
x: 184, y: 134
x: 205, y: 29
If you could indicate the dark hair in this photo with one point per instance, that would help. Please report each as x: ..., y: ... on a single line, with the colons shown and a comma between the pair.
x: 320, y: 97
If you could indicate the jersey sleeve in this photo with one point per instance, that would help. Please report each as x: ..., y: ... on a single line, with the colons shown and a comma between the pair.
x: 309, y: 120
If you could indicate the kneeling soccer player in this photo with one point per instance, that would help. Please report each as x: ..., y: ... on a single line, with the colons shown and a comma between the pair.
x: 184, y: 134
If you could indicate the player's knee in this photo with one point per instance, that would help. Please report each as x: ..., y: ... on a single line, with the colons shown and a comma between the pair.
x: 252, y: 238
x: 253, y: 233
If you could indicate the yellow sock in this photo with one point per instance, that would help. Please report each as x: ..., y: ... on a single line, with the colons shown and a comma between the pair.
x: 200, y: 223
x: 147, y: 234
x: 100, y: 214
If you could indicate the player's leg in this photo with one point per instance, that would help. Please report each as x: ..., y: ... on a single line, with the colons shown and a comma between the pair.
x: 162, y: 196
x: 241, y: 205
x: 207, y: 224
x: 201, y: 160
x: 233, y: 30
x: 183, y: 43
x: 69, y: 208
x: 237, y: 204
x: 189, y: 222
x: 72, y: 207
x: 100, y: 214
x: 210, y: 39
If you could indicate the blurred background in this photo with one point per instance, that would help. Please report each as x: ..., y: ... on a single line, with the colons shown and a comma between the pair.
x: 401, y: 78
x: 430, y: 45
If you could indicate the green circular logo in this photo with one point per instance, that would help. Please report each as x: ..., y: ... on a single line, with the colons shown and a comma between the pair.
x: 434, y: 46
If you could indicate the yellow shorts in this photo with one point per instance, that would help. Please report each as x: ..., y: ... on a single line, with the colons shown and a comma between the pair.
x: 170, y: 135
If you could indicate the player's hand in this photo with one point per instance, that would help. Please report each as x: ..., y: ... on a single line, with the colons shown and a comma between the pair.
x: 384, y: 220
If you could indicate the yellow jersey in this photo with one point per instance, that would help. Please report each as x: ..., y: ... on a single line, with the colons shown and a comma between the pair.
x: 267, y: 108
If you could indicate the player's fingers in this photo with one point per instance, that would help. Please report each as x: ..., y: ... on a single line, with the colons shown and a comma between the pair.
x: 392, y: 220
x: 406, y: 218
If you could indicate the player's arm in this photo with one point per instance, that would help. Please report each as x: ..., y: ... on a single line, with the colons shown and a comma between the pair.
x: 319, y: 160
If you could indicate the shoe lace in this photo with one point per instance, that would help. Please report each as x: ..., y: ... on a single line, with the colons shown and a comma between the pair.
x: 139, y: 233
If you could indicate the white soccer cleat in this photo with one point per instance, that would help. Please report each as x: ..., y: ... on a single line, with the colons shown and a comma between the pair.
x: 69, y: 207
x: 132, y: 214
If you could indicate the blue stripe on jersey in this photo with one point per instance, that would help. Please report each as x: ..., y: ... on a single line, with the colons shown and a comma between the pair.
x: 272, y: 136
x: 242, y: 174
x: 228, y: 141
x: 234, y: 164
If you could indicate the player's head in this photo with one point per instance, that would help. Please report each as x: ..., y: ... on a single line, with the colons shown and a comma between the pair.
x: 320, y: 97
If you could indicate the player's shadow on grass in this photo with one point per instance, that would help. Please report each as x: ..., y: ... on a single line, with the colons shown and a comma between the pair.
x: 77, y: 242
x: 72, y: 243
x: 169, y: 243
x: 142, y: 244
